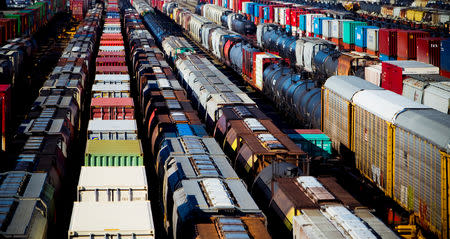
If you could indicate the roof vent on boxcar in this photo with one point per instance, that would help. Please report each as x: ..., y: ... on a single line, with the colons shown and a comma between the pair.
x: 178, y: 117
x: 164, y: 83
x: 216, y: 193
x: 173, y: 104
x: 13, y: 184
x: 7, y: 208
x: 34, y: 143
x: 254, y: 124
x: 40, y: 125
x: 168, y: 94
x: 270, y: 141
x: 231, y: 97
x: 193, y: 145
x: 242, y: 111
x: 315, y: 188
x: 48, y: 113
x: 204, y: 166
x: 232, y: 228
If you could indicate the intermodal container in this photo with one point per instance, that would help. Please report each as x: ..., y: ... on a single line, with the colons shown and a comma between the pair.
x: 112, y: 184
x: 387, y: 40
x: 113, y: 153
x: 428, y: 50
x: 406, y: 43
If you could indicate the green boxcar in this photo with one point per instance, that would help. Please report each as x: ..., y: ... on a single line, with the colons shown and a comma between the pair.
x: 114, y: 153
x: 348, y: 29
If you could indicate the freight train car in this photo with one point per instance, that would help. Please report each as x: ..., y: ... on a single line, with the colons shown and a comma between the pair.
x: 43, y: 143
x: 112, y: 190
x: 189, y: 162
x: 385, y: 125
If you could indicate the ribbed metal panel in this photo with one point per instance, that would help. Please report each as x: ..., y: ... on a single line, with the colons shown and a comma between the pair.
x: 94, y: 160
x: 335, y: 120
x: 371, y: 139
x: 417, y: 178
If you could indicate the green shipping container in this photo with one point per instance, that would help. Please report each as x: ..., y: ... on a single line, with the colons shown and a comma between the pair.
x: 114, y: 153
x: 348, y: 29
x: 314, y: 142
x: 19, y: 22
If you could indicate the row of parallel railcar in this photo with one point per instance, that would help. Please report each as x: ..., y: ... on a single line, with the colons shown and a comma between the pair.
x: 389, y: 165
x: 112, y: 192
x: 246, y: 134
x: 201, y: 195
x: 16, y: 27
x: 317, y: 59
x: 30, y: 192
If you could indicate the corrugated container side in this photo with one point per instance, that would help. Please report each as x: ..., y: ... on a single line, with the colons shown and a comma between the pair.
x: 445, y: 54
x: 336, y: 118
x: 420, y: 168
x: 372, y: 138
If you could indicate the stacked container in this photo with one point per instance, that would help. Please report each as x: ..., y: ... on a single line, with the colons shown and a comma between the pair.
x: 428, y: 50
x: 112, y: 191
x: 349, y: 34
x: 393, y: 73
x: 387, y: 44
x: 361, y: 38
x: 407, y: 43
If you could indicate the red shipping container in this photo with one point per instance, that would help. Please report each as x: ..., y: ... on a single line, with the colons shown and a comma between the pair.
x: 387, y: 41
x: 428, y: 50
x: 110, y: 61
x: 406, y: 43
x: 392, y: 73
x: 112, y: 108
x: 5, y: 116
x: 112, y: 69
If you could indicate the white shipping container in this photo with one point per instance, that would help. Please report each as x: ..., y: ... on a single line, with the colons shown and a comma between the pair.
x: 111, y: 78
x: 276, y: 15
x: 111, y: 90
x: 336, y: 28
x: 112, y: 130
x: 415, y: 67
x: 326, y: 28
x: 112, y: 184
x: 310, y: 21
x: 437, y: 96
x: 372, y: 39
x: 97, y: 220
x: 111, y: 48
x: 259, y: 71
x: 372, y: 74
x: 283, y: 16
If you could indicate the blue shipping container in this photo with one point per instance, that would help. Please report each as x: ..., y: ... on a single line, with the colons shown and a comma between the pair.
x: 387, y: 58
x: 267, y: 13
x: 302, y: 22
x: 361, y: 35
x: 318, y: 24
x: 445, y: 54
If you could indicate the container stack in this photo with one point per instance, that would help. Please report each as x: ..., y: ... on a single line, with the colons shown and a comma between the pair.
x: 112, y: 192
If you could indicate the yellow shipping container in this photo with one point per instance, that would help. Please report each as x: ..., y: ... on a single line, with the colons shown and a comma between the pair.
x: 418, y: 15
x: 410, y: 14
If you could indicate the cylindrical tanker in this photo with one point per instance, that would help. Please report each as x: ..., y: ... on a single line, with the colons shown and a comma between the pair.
x: 300, y: 97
